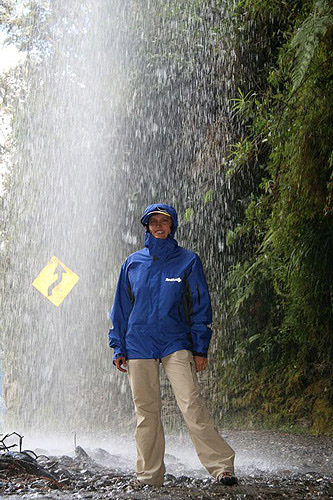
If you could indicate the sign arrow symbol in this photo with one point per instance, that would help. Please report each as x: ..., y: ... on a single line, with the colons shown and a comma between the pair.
x: 59, y: 270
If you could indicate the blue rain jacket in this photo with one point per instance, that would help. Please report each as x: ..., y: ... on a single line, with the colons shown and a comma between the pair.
x: 162, y: 302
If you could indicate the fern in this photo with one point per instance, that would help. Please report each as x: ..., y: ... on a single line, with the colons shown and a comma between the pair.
x: 307, y: 38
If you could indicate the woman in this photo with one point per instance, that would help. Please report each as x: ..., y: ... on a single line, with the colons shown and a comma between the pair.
x: 160, y: 315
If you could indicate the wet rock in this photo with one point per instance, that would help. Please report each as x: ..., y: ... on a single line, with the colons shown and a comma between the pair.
x: 105, y: 458
x: 100, y: 454
x: 169, y: 477
x: 105, y: 481
x: 83, y: 461
x: 169, y: 480
x: 65, y: 460
x: 81, y: 453
x: 44, y: 483
x: 64, y: 482
x: 183, y: 479
x: 83, y: 477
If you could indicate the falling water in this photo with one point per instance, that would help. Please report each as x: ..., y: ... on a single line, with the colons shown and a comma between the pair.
x: 122, y: 104
x: 65, y: 200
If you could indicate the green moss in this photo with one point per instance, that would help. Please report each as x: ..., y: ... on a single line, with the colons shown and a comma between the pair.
x: 269, y: 404
x: 322, y: 417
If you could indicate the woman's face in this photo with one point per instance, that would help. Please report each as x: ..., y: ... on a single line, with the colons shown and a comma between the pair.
x: 160, y: 225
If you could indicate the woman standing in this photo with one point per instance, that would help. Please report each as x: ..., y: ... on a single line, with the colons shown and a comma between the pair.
x: 160, y: 315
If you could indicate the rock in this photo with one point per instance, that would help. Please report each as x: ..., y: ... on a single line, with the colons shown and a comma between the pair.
x: 101, y: 454
x: 66, y: 460
x: 105, y: 458
x: 81, y: 453
x: 169, y: 477
x: 64, y: 481
x: 183, y: 479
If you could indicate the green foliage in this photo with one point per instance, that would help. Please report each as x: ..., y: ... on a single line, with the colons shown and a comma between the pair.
x: 188, y: 215
x: 243, y: 103
x: 307, y: 39
x: 26, y: 24
x: 285, y: 277
x: 208, y: 196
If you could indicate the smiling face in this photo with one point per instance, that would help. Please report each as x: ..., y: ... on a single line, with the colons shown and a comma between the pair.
x: 160, y: 225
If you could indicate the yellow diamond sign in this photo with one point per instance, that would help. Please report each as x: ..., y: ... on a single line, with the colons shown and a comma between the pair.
x: 55, y: 281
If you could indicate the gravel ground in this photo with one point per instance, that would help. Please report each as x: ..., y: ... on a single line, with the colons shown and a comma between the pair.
x: 269, y: 465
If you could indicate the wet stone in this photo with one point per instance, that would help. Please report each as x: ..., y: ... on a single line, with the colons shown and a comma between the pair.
x: 169, y: 477
x: 80, y: 478
x: 183, y: 479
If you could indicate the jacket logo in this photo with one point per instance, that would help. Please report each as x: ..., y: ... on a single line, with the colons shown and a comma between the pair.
x: 173, y: 279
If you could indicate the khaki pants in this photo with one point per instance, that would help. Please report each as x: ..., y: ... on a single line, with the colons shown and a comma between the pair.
x: 214, y: 453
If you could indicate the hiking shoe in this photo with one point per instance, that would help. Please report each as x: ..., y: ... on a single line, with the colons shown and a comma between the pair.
x: 228, y: 479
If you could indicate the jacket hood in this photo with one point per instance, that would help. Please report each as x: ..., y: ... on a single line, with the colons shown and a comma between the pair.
x: 161, y: 207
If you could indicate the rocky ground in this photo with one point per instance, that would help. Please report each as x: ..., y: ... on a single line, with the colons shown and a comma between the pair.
x: 269, y: 466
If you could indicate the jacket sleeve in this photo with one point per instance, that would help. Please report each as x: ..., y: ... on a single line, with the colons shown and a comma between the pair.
x: 120, y: 312
x: 201, y: 309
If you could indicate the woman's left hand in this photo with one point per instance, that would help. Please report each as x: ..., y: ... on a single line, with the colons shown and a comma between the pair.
x: 200, y: 363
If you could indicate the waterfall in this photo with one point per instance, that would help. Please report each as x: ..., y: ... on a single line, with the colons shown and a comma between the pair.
x: 122, y: 104
x: 67, y: 183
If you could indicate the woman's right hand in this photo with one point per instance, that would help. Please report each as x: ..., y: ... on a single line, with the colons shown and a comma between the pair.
x: 119, y: 363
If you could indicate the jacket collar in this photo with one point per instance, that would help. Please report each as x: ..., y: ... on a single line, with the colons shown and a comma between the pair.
x: 159, y: 247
